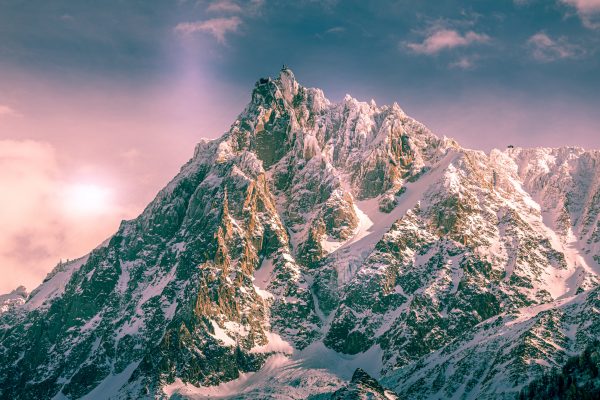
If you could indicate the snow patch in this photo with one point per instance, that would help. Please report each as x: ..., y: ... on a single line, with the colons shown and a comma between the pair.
x: 55, y: 286
x: 221, y: 335
x: 91, y: 324
x: 262, y: 276
x: 155, y: 288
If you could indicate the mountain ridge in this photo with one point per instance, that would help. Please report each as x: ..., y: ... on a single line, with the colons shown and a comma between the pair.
x: 309, y: 229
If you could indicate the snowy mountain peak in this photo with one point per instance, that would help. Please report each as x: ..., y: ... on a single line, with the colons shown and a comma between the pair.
x: 314, y: 238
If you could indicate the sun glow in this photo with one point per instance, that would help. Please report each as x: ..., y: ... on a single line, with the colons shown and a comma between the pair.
x: 87, y: 198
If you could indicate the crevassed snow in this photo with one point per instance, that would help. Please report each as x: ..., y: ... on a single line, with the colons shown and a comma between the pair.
x: 316, y: 369
x: 278, y: 373
x: 55, y: 286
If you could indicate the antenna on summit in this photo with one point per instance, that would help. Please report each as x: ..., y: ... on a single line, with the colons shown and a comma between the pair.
x: 284, y: 67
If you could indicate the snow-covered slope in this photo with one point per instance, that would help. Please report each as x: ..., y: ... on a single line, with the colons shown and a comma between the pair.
x: 496, y: 358
x: 313, y: 239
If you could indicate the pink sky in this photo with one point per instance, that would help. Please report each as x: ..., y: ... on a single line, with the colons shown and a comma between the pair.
x: 60, y: 146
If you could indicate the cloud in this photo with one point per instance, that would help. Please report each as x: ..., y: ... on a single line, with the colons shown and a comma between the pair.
x: 444, y: 39
x: 545, y: 49
x: 131, y: 156
x: 336, y: 30
x: 6, y: 111
x: 41, y: 223
x: 584, y: 6
x: 221, y: 26
x: 224, y: 6
x: 332, y: 32
x: 217, y: 27
x: 463, y: 63
x: 588, y: 11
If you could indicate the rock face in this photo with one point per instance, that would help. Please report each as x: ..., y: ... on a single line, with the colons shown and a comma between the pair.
x: 310, y: 229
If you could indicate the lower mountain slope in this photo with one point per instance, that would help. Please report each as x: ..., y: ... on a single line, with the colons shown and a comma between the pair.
x: 501, y: 355
x: 577, y: 379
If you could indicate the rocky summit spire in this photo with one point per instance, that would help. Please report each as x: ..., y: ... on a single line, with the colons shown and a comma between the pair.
x: 288, y: 85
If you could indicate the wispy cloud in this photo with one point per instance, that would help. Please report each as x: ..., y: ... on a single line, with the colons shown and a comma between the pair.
x: 588, y: 11
x: 217, y: 27
x: 445, y: 39
x: 224, y: 6
x: 463, y: 63
x: 336, y: 30
x: 545, y: 49
x: 6, y: 111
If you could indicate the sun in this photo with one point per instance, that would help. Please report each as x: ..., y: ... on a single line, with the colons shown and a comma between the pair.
x: 88, y: 198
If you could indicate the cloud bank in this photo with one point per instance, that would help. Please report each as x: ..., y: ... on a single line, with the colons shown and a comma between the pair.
x: 217, y: 27
x: 445, y: 39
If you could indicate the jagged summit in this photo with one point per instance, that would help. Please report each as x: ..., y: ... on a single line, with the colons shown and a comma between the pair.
x: 13, y: 299
x: 314, y: 238
x: 20, y: 290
